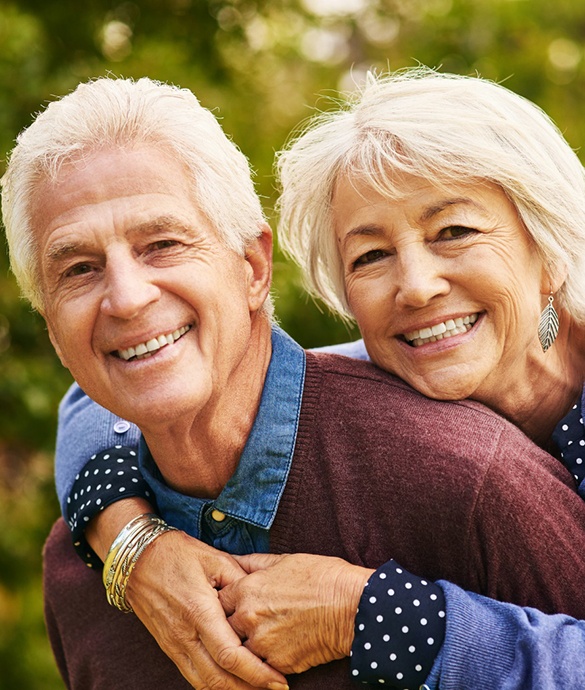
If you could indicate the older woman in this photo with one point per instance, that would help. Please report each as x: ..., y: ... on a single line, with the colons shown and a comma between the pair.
x: 445, y: 214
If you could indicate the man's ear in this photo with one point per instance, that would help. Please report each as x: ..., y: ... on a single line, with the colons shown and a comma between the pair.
x: 259, y: 258
x: 54, y: 341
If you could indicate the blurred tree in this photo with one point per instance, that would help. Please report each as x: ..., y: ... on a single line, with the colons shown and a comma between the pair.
x: 263, y: 65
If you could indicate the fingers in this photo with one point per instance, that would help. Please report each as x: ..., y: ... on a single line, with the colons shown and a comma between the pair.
x: 235, y: 668
x: 174, y: 593
x: 209, y: 654
x: 242, y: 663
x: 258, y: 561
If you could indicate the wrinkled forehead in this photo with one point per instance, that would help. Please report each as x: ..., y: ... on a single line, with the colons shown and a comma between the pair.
x: 395, y: 185
x: 111, y: 175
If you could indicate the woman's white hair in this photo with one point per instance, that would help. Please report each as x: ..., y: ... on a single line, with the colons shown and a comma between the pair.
x: 446, y: 129
x: 122, y: 113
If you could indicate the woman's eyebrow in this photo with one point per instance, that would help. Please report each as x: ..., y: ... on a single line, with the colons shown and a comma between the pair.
x: 439, y: 207
x: 367, y: 229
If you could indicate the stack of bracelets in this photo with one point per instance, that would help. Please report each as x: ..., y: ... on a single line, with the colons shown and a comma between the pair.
x: 125, y: 552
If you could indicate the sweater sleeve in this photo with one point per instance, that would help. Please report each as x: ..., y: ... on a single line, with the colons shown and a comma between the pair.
x: 85, y: 428
x: 490, y: 644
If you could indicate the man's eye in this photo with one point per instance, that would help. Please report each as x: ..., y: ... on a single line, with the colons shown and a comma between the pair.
x: 78, y: 270
x: 369, y: 257
x: 455, y: 231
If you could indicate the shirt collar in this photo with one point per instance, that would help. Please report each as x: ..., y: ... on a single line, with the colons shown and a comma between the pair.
x: 253, y: 492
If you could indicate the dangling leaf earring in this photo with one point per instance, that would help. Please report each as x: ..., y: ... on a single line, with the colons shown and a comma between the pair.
x: 548, y: 326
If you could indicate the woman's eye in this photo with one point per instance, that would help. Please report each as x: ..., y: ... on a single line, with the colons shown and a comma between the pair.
x: 369, y: 257
x: 163, y: 244
x: 455, y: 231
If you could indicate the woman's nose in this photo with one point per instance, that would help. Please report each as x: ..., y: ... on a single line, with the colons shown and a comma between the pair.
x: 421, y: 278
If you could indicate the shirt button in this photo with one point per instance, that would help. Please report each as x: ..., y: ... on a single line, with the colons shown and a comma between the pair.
x: 121, y: 426
x: 217, y: 515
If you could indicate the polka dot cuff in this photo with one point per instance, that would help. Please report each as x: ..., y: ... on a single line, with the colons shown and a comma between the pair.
x: 106, y: 478
x: 399, y: 628
x: 569, y: 436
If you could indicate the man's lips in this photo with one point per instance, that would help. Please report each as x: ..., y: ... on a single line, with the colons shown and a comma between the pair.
x: 142, y: 350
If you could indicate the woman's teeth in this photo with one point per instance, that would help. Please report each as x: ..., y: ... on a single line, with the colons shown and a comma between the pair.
x: 440, y: 331
x: 143, y: 350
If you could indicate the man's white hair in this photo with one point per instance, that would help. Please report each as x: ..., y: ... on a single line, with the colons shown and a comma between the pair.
x: 443, y: 128
x: 108, y: 113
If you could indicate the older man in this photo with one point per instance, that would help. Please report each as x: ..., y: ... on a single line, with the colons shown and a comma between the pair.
x: 134, y: 228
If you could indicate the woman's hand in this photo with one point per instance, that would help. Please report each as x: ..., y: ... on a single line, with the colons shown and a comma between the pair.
x: 295, y: 611
x: 173, y: 590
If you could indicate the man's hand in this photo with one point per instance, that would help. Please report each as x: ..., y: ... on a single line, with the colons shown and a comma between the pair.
x: 174, y: 591
x: 295, y: 611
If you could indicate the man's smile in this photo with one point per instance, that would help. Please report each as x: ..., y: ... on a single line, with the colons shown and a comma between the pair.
x: 142, y: 350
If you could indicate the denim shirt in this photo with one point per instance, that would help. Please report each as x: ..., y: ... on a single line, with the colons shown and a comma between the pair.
x: 247, y: 505
x: 238, y: 520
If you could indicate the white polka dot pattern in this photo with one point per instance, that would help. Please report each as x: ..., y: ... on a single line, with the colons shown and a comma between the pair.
x: 400, y: 627
x: 569, y: 437
x: 106, y: 478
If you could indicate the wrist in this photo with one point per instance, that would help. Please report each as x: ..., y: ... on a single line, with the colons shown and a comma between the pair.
x: 349, y: 585
x: 129, y: 545
x: 103, y: 529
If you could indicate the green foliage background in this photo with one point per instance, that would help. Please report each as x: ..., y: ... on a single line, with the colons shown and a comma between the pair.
x: 263, y: 65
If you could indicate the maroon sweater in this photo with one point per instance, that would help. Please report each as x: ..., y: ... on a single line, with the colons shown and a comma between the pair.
x: 450, y: 490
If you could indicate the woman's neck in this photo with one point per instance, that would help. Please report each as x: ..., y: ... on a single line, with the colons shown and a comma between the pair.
x: 551, y: 384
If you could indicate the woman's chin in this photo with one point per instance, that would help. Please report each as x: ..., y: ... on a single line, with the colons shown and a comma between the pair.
x: 441, y: 388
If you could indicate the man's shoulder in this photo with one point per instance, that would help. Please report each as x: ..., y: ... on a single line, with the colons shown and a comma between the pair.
x: 357, y: 389
x: 337, y: 371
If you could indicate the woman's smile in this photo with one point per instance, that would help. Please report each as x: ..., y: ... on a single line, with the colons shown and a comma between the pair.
x: 441, y: 331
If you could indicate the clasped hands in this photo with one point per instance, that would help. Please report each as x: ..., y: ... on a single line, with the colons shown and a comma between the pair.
x: 230, y: 622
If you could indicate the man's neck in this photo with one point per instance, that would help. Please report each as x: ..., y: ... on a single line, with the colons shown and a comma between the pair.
x: 198, y: 455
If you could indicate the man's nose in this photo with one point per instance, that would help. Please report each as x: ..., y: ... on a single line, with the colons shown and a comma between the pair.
x: 422, y: 276
x: 129, y: 288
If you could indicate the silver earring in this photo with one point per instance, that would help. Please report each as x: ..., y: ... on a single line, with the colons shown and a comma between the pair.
x: 548, y: 326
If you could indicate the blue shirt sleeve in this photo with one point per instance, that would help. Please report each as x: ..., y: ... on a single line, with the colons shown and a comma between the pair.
x: 355, y: 350
x: 490, y: 644
x: 85, y: 428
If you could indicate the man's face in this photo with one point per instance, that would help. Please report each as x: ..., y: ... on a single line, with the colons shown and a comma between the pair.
x: 150, y: 312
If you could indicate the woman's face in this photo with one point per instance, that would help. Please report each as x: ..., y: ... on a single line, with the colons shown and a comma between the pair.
x: 445, y: 285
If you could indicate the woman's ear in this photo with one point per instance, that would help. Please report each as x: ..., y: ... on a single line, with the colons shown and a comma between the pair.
x: 259, y: 258
x: 553, y: 278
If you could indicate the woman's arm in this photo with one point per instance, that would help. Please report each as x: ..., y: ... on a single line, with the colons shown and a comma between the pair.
x: 85, y: 429
x: 490, y: 644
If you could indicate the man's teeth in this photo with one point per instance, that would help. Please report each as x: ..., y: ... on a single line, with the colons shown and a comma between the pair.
x: 440, y: 331
x: 143, y: 350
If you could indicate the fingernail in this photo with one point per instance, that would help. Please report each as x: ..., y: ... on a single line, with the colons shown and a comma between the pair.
x: 277, y: 686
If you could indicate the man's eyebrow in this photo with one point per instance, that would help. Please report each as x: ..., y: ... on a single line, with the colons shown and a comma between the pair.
x: 61, y: 250
x: 166, y: 222
x: 433, y: 210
